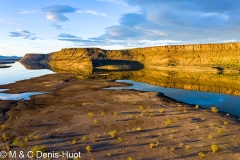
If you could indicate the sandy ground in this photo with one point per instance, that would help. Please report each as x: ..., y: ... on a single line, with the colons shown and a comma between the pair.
x: 80, y: 113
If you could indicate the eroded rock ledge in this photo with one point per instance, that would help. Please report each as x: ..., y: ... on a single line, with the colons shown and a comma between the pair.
x: 218, y: 57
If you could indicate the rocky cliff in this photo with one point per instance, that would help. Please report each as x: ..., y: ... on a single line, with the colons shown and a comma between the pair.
x: 64, y: 61
x: 36, y: 61
x: 203, y: 56
x: 225, y: 56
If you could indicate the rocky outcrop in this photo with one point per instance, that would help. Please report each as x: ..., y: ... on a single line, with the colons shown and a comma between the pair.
x: 226, y: 56
x: 75, y: 60
x: 202, y: 56
x: 36, y: 61
x: 64, y: 61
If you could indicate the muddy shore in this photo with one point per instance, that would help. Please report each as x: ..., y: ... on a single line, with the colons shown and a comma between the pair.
x: 77, y: 113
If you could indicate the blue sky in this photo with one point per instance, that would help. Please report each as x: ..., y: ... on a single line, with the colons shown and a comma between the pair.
x: 44, y: 26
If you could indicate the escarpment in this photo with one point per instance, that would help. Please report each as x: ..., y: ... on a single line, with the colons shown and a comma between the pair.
x: 201, y: 56
x: 36, y: 61
x: 225, y: 56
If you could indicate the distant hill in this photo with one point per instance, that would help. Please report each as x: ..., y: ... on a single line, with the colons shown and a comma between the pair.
x: 10, y: 57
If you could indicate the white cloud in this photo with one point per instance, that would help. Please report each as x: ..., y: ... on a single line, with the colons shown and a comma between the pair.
x: 8, y: 21
x: 92, y: 12
x: 28, y: 12
x: 56, y: 12
x: 120, y: 2
x: 23, y: 33
x: 230, y: 40
x: 55, y: 17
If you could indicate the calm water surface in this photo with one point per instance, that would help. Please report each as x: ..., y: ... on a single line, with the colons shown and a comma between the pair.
x: 224, y: 102
x: 16, y: 73
x: 24, y: 96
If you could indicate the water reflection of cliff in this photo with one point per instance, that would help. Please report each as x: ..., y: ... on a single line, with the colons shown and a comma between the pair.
x: 227, y: 83
x: 201, y: 81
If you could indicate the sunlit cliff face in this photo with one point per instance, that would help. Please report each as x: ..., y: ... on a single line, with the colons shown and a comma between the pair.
x: 167, y: 66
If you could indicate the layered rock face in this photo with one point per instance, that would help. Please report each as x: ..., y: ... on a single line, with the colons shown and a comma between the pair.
x: 202, y: 56
x: 75, y: 60
x: 36, y: 61
x: 64, y: 61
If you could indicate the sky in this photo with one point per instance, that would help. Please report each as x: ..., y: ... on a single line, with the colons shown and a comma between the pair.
x: 44, y: 26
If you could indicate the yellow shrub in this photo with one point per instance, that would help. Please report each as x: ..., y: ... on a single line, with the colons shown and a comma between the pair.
x: 25, y: 139
x: 74, y: 141
x: 3, y: 127
x: 214, y: 109
x: 187, y: 147
x: 37, y: 148
x: 214, y: 148
x: 112, y: 133
x: 161, y: 110
x: 139, y: 129
x: 120, y: 139
x: 141, y: 107
x: 90, y: 114
x: 151, y: 114
x: 95, y: 121
x: 151, y: 145
x: 36, y: 138
x: 201, y: 154
x: 4, y: 137
x: 89, y: 148
x: 130, y: 158
x: 84, y: 138
x: 210, y: 136
x: 220, y: 131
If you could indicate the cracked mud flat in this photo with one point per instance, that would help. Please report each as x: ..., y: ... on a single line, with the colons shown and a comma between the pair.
x: 61, y: 116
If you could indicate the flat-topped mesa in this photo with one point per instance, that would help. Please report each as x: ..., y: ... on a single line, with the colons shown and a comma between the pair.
x: 35, y: 61
x: 71, y: 60
x: 33, y: 57
x: 200, y: 56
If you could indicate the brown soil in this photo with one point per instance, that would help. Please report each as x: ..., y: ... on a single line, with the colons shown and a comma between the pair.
x: 61, y: 116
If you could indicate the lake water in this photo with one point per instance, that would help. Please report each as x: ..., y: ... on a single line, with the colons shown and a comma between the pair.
x: 16, y: 73
x: 204, y: 89
x: 24, y: 96
x: 224, y: 102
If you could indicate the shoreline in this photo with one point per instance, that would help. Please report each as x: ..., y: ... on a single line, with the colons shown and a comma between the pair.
x: 57, y: 118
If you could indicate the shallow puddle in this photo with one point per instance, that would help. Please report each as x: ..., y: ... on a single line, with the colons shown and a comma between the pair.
x: 23, y: 96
